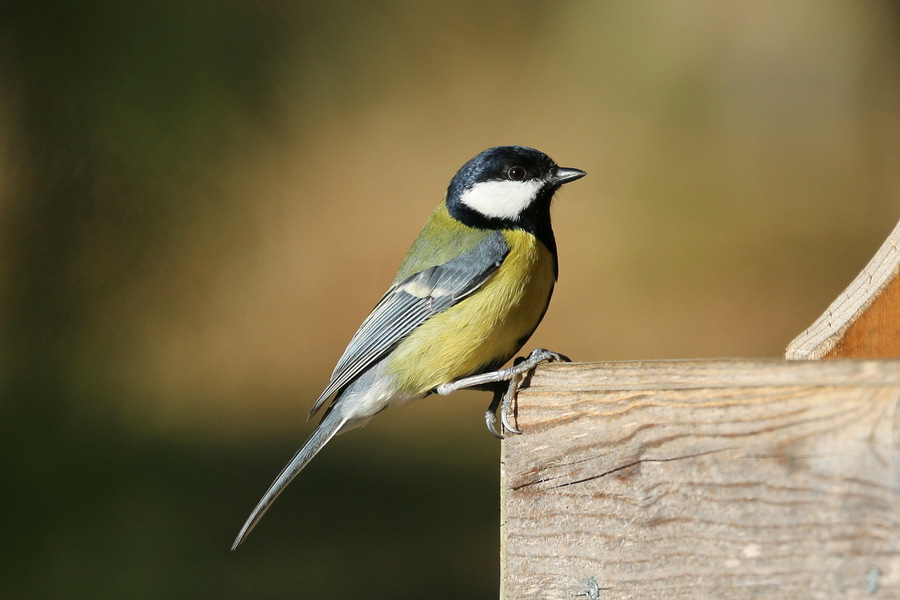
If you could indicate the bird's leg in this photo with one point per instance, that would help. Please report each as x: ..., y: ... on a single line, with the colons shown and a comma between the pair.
x: 515, y: 375
x: 537, y: 356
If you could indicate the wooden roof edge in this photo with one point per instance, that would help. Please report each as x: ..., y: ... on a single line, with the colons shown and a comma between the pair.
x: 829, y: 329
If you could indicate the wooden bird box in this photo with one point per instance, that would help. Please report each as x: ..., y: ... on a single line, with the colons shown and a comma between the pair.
x: 716, y: 478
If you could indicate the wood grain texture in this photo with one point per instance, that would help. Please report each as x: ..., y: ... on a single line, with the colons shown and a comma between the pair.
x: 876, y: 333
x: 704, y: 479
x: 864, y: 320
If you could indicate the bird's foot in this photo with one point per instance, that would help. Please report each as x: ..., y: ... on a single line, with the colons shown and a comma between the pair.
x: 504, y: 399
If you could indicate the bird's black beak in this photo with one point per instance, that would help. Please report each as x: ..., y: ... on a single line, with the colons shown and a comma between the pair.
x: 565, y: 175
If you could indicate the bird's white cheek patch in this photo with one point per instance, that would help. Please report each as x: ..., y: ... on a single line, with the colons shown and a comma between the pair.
x: 501, y: 199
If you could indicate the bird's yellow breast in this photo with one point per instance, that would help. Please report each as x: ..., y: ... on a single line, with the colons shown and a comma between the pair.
x: 484, y: 330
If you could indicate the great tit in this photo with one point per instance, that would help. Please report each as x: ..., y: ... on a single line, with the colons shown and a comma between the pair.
x: 471, y: 291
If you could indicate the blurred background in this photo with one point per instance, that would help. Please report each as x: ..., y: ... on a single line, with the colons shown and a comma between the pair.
x: 200, y: 201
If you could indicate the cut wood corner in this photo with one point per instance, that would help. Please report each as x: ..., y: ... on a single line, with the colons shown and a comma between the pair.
x: 864, y: 321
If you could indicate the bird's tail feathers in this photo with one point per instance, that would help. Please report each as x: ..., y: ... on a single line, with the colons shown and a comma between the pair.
x: 331, y: 424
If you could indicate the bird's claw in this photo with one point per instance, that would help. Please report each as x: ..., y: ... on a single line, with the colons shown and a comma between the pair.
x: 507, y: 410
x: 505, y: 400
x: 490, y: 419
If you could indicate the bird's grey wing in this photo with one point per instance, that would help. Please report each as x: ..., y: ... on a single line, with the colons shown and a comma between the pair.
x: 408, y: 303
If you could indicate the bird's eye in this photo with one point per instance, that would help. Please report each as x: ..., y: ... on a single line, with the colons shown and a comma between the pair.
x: 516, y: 173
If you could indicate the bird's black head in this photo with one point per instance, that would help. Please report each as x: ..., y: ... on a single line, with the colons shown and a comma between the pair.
x: 509, y: 187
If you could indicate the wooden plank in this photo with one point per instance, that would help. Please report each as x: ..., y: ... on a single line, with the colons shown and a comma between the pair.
x: 864, y: 321
x: 704, y: 479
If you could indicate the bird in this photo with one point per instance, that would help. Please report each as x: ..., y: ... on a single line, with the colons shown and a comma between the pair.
x: 472, y: 289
